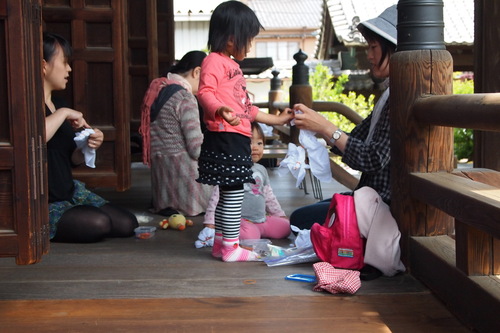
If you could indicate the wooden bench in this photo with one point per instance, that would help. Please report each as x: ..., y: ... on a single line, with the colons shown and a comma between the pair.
x: 275, y: 151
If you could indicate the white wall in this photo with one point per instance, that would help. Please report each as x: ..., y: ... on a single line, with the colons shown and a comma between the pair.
x: 189, y: 36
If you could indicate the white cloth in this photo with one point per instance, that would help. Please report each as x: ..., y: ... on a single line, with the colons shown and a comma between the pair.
x: 303, y: 238
x: 319, y: 161
x: 381, y: 231
x: 295, y: 162
x: 205, y: 238
x: 81, y: 140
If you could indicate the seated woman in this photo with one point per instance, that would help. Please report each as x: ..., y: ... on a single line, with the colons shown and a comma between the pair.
x: 367, y: 147
x: 172, y: 138
x: 76, y: 215
x: 262, y: 216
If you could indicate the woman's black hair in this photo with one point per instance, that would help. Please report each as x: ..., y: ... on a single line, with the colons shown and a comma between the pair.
x: 255, y: 126
x: 232, y: 19
x: 387, y: 47
x: 189, y: 61
x: 50, y: 43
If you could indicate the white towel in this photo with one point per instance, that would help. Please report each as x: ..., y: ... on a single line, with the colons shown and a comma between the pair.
x: 317, y: 154
x: 81, y: 140
x: 295, y: 162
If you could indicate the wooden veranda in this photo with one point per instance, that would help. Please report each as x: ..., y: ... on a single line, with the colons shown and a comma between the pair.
x: 449, y: 218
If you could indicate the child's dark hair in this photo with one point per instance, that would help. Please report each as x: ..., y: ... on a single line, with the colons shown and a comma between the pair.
x: 387, y: 47
x: 258, y: 128
x: 189, y: 61
x: 232, y: 19
x: 50, y: 42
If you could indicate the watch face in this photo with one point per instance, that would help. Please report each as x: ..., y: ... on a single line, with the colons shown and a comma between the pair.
x: 336, y: 135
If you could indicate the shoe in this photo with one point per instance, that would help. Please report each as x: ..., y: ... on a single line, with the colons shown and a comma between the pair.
x: 369, y: 272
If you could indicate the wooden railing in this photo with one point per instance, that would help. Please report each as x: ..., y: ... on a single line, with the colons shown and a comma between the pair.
x: 474, y: 198
x: 449, y: 218
x: 465, y: 264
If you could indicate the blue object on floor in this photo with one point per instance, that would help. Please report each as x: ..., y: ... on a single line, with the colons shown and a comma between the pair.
x: 301, y: 277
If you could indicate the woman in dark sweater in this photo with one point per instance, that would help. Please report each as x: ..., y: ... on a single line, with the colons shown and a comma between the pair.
x: 76, y: 215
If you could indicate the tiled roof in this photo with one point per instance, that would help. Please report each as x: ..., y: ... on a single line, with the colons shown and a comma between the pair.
x: 459, y: 21
x: 197, y: 10
x: 279, y: 14
x: 272, y: 14
x: 458, y: 16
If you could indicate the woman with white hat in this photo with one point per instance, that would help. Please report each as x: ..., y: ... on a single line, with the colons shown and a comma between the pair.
x: 367, y: 147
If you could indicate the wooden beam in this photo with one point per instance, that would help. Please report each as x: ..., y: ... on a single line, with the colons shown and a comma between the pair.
x: 340, y: 108
x: 476, y: 111
x: 473, y: 203
x: 342, y: 176
x: 481, y: 252
x: 486, y: 176
x: 475, y: 300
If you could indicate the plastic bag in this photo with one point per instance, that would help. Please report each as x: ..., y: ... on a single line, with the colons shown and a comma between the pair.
x: 292, y: 256
x: 259, y: 246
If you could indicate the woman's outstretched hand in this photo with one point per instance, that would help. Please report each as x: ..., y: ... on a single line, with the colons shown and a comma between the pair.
x: 307, y: 118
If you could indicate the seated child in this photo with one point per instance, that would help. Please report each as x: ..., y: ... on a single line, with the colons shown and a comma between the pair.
x: 259, y: 200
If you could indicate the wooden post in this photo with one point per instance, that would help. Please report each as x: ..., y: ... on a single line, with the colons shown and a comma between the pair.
x: 415, y: 147
x: 300, y: 90
x: 275, y: 94
x: 486, y: 77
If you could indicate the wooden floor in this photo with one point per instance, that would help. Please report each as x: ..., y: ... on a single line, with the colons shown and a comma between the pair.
x: 377, y: 313
x: 165, y: 284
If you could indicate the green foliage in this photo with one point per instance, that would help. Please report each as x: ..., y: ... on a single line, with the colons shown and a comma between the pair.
x: 464, y: 142
x: 326, y: 89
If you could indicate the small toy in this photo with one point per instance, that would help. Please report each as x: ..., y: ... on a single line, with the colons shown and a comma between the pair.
x: 176, y: 221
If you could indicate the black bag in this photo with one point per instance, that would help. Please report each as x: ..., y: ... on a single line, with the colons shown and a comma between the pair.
x: 162, y: 98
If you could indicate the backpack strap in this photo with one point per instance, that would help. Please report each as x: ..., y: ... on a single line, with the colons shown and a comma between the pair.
x: 163, y: 96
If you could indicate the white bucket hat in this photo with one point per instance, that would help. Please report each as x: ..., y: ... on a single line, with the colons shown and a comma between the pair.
x: 384, y: 25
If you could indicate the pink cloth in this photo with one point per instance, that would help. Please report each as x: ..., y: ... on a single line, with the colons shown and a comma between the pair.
x: 275, y: 227
x: 149, y: 97
x: 154, y: 88
x: 222, y: 84
x: 336, y: 280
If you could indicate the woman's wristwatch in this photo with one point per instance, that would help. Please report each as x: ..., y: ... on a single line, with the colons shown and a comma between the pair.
x: 336, y: 135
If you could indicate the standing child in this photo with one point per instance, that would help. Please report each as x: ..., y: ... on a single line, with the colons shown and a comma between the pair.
x: 225, y: 158
x: 259, y: 200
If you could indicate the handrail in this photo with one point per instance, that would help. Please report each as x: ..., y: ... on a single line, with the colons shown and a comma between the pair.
x: 275, y: 105
x: 343, y: 109
x: 320, y: 106
x: 474, y: 111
